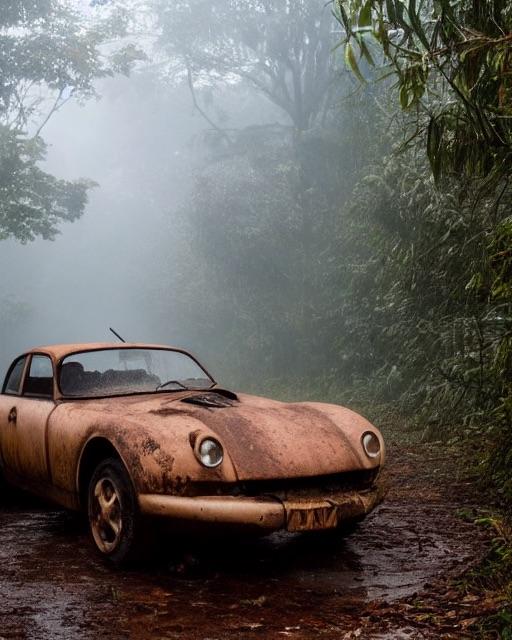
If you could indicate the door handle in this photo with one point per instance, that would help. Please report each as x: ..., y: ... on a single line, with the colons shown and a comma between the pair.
x: 13, y: 415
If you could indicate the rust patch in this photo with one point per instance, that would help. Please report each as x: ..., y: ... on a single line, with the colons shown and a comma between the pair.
x: 179, y: 486
x: 305, y: 514
x: 150, y: 467
x: 280, y: 441
x: 165, y: 462
x: 149, y: 446
x: 311, y: 518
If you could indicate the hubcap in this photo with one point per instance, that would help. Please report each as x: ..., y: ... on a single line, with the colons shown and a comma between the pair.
x: 106, y: 516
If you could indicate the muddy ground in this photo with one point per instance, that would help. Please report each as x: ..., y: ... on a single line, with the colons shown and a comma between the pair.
x: 392, y: 578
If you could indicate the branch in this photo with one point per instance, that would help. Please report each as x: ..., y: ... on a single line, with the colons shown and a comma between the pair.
x: 203, y: 113
x: 56, y: 106
x: 272, y: 96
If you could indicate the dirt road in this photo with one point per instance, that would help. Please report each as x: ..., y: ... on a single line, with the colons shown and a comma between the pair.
x: 372, y: 584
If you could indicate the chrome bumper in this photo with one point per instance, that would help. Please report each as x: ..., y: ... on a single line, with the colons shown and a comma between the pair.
x: 296, y: 513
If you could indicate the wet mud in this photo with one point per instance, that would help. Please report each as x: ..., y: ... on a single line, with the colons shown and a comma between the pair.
x: 52, y: 585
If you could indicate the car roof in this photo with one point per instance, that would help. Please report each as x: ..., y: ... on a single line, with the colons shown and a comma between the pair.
x: 58, y: 351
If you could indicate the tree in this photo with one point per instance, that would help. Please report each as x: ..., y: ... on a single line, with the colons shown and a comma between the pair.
x: 32, y: 202
x: 256, y: 268
x: 49, y: 54
x: 283, y: 49
x: 452, y: 63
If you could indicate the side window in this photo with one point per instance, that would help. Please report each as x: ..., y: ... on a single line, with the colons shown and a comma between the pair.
x: 13, y: 381
x: 39, y: 381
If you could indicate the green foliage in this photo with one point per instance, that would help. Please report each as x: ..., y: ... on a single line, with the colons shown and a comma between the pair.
x: 452, y: 62
x: 499, y: 276
x: 414, y: 283
x: 32, y: 202
x: 443, y: 291
x: 48, y: 55
x: 494, y: 575
x: 16, y: 12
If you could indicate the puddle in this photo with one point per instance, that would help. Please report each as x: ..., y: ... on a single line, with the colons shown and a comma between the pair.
x: 287, y: 585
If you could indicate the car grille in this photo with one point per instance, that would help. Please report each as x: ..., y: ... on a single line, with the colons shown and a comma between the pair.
x: 314, y: 486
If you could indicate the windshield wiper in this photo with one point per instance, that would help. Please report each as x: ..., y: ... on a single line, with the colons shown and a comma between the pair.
x: 164, y: 384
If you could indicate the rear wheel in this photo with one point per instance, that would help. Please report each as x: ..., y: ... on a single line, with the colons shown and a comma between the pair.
x: 113, y: 512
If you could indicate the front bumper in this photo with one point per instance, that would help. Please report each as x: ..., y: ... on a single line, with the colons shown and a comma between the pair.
x: 295, y: 513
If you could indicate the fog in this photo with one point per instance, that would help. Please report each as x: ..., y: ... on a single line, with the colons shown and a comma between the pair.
x: 139, y: 142
x: 225, y: 146
x: 282, y: 189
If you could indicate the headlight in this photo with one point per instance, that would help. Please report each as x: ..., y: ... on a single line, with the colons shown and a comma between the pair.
x: 210, y: 453
x: 371, y: 444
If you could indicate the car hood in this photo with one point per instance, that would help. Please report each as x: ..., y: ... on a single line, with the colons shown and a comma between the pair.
x: 263, y: 438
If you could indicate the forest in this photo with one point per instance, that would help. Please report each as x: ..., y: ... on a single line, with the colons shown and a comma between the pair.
x: 334, y: 222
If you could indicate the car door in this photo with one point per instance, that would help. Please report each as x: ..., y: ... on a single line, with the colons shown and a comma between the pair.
x: 8, y: 411
x: 24, y: 415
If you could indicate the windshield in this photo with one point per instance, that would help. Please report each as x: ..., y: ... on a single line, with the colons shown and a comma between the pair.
x: 112, y: 372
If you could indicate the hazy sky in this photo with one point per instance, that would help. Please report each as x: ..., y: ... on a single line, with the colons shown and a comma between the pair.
x: 138, y: 143
x: 94, y: 273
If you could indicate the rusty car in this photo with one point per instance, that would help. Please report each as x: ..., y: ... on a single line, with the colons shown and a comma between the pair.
x: 133, y: 434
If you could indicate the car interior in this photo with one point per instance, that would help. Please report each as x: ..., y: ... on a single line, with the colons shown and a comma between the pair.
x: 75, y: 380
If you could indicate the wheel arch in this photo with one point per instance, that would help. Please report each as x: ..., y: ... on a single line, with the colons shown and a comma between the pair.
x: 95, y: 450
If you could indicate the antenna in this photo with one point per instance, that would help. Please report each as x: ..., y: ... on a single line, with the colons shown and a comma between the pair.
x: 117, y: 335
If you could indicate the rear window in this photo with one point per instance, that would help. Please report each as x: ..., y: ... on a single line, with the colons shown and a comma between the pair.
x: 13, y: 380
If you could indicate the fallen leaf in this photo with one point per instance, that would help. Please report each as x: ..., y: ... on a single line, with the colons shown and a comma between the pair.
x: 465, y: 624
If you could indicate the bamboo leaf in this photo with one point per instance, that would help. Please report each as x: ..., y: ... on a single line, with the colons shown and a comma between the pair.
x: 342, y: 17
x: 390, y: 10
x: 416, y: 24
x: 404, y: 96
x: 351, y: 62
x: 365, y: 15
x: 365, y: 51
x: 434, y: 137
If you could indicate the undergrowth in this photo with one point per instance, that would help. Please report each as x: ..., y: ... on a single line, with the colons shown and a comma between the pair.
x: 493, y: 578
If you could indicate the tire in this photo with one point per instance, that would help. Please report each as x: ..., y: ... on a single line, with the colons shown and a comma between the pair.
x: 113, y: 512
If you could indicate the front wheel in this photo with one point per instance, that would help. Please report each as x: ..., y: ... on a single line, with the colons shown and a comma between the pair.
x: 113, y: 512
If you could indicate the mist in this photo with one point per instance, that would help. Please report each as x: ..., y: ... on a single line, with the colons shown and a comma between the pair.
x: 313, y: 199
x: 139, y: 142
